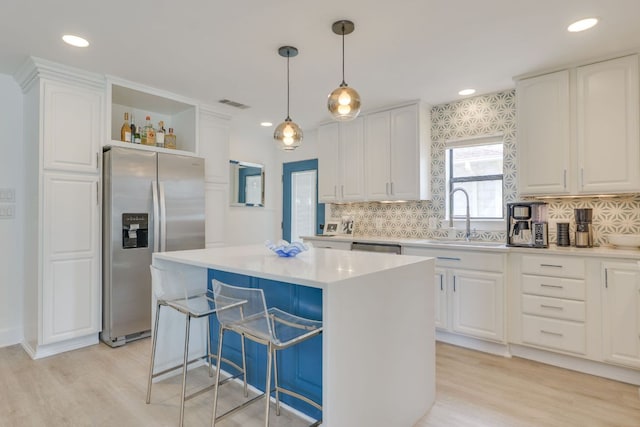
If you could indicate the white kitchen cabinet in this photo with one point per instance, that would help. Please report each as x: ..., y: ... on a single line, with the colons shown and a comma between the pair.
x: 578, y: 130
x: 469, y: 291
x: 478, y: 304
x: 543, y: 134
x: 216, y: 202
x: 214, y: 145
x: 397, y: 154
x: 63, y: 127
x: 608, y: 139
x: 621, y: 313
x: 71, y: 235
x: 341, y: 161
x: 72, y: 117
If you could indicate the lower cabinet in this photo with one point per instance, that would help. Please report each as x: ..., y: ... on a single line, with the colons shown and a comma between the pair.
x: 328, y: 243
x: 621, y: 313
x: 469, y: 291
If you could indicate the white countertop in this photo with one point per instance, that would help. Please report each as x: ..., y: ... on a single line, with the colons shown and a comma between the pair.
x: 601, y: 251
x: 316, y: 267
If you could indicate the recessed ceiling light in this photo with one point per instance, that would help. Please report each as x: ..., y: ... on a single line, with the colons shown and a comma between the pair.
x: 75, y: 40
x: 266, y: 124
x: 465, y: 92
x: 581, y: 25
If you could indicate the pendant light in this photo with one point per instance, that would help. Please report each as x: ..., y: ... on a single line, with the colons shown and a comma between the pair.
x: 344, y: 102
x: 288, y: 134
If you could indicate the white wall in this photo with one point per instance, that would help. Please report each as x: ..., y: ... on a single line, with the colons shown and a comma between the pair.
x: 11, y: 234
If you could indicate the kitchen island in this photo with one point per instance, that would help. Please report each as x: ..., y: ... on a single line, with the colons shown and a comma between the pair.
x: 378, y: 345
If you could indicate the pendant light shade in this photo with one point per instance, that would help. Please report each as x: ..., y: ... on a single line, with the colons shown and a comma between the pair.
x: 288, y: 134
x: 343, y: 102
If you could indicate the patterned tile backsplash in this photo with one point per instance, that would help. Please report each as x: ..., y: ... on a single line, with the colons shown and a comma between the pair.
x: 492, y: 114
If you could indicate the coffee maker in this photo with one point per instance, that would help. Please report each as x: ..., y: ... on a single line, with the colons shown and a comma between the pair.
x: 584, y: 230
x: 527, y: 224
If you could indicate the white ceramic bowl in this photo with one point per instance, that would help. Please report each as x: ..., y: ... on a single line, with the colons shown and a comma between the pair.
x: 624, y: 240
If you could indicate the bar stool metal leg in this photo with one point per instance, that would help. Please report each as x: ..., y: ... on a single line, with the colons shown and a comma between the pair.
x: 184, y: 368
x: 153, y: 353
x: 208, y: 320
x: 244, y: 366
x: 217, y: 381
x: 275, y: 380
x: 267, y: 389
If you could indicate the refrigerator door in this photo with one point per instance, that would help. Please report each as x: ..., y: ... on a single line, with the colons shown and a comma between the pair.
x: 182, y: 205
x: 128, y: 180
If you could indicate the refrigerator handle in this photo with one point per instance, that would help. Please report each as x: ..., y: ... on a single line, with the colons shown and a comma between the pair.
x: 156, y: 217
x: 163, y: 219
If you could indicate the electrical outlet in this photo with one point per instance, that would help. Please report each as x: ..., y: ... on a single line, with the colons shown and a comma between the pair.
x: 7, y: 195
x: 7, y: 211
x: 433, y: 223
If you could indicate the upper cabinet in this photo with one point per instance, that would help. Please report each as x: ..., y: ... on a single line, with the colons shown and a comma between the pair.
x: 578, y: 130
x: 341, y: 161
x: 176, y: 112
x: 397, y: 154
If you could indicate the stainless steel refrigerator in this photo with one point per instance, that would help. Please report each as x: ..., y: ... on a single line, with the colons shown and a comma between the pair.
x: 152, y: 202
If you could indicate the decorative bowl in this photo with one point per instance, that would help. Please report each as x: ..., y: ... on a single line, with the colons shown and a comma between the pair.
x: 624, y: 240
x: 285, y: 249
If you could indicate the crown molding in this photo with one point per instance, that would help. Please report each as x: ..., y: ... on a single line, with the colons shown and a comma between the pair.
x: 35, y: 68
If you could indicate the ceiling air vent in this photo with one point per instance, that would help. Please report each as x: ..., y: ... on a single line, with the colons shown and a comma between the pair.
x: 234, y: 104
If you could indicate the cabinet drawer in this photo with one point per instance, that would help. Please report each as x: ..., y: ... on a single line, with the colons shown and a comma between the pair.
x: 553, y: 266
x: 554, y: 287
x: 552, y: 333
x: 471, y: 260
x: 553, y: 307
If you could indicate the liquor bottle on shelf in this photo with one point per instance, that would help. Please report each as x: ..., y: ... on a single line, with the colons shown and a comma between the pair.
x: 160, y: 134
x: 133, y: 130
x: 170, y: 140
x: 125, y: 131
x: 137, y: 136
x: 148, y: 133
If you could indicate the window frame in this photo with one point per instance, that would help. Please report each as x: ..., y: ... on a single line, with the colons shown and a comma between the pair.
x: 485, y: 222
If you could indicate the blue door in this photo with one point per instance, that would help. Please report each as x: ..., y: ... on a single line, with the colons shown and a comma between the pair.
x: 301, y: 212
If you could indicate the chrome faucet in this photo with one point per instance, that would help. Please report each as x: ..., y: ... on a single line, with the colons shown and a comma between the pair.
x: 467, y: 234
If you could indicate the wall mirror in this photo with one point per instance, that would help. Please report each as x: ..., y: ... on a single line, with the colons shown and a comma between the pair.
x: 246, y: 183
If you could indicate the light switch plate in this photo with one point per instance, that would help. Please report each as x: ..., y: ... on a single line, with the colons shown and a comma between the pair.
x: 7, y: 195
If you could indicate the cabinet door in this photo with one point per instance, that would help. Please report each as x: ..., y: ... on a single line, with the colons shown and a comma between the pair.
x: 216, y: 204
x: 607, y: 120
x: 377, y: 154
x: 328, y: 162
x: 214, y: 147
x: 621, y: 313
x: 440, y: 290
x: 543, y: 134
x: 72, y: 132
x: 352, y: 160
x: 404, y: 154
x: 70, y: 284
x: 478, y: 304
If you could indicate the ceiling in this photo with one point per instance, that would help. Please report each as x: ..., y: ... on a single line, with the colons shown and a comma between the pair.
x: 400, y: 50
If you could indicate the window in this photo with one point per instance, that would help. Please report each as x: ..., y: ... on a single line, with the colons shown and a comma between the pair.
x: 476, y: 166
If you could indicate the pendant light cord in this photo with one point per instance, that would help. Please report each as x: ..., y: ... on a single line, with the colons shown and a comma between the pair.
x: 343, y: 82
x: 288, y: 57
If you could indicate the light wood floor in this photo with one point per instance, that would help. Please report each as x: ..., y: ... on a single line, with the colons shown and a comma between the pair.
x: 101, y: 386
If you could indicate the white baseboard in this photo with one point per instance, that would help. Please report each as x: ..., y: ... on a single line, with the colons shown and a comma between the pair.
x: 491, y: 347
x: 613, y: 372
x: 61, y: 347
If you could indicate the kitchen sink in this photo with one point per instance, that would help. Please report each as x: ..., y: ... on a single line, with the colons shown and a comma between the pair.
x: 465, y: 243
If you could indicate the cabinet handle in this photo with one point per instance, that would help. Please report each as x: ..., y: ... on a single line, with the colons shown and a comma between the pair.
x: 97, y: 193
x: 335, y: 191
x: 551, y: 265
x: 551, y: 306
x: 391, y: 187
x: 342, y: 191
x: 544, y: 285
x: 557, y: 334
x: 441, y: 284
x: 448, y: 258
x: 565, y: 179
x: 97, y: 161
x: 606, y: 278
x: 454, y: 283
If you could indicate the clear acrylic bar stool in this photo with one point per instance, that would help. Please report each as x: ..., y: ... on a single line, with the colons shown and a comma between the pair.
x: 271, y: 327
x: 194, y: 305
